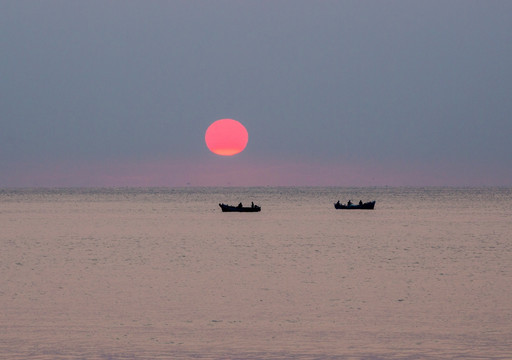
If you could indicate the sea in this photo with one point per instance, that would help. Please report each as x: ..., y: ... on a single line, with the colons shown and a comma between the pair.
x: 162, y: 273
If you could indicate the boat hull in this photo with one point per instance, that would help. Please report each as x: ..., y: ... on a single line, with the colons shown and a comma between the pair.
x: 229, y: 208
x: 366, y: 206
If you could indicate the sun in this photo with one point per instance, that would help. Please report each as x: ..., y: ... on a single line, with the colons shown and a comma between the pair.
x: 226, y: 137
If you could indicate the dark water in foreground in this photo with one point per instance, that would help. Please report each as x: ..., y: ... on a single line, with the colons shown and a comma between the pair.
x: 164, y: 274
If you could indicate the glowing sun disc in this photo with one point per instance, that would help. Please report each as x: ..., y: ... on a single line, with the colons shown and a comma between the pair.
x: 226, y: 137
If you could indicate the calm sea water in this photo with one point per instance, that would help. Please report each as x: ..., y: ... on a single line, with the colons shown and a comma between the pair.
x: 164, y: 274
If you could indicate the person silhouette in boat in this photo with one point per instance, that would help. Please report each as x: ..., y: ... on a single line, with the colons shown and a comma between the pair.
x: 349, y: 203
x: 360, y: 202
x: 240, y: 205
x: 252, y: 204
x: 338, y: 203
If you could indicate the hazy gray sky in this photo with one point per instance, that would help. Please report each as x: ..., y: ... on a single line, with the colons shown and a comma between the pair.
x: 120, y: 93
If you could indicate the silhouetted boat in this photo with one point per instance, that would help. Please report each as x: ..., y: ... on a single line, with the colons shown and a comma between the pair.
x: 366, y: 206
x: 239, y: 208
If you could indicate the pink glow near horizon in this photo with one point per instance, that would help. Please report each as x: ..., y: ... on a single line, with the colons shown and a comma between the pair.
x: 175, y: 173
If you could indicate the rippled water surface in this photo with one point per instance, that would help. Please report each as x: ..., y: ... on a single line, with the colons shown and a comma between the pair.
x: 164, y: 274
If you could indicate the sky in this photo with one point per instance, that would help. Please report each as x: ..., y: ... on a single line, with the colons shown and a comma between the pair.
x: 332, y: 93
